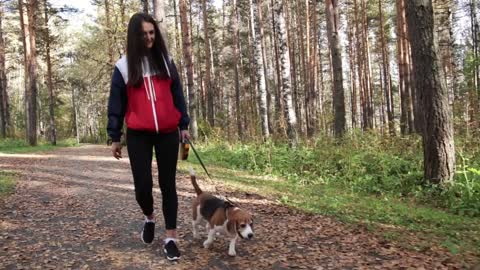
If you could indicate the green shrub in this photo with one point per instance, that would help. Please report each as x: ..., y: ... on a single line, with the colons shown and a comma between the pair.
x: 363, y: 163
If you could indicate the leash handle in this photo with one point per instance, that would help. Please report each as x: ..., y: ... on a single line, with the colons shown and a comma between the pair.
x: 198, y: 157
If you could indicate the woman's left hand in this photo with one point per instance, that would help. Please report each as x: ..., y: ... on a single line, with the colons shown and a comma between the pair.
x: 184, y: 135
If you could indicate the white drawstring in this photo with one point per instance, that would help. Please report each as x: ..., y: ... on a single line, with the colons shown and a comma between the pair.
x: 166, y: 65
x: 144, y: 83
x: 150, y: 90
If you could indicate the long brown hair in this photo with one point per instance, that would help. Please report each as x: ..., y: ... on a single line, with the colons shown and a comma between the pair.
x: 137, y: 49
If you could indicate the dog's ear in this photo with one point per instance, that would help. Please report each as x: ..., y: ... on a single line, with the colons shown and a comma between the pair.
x: 232, y: 226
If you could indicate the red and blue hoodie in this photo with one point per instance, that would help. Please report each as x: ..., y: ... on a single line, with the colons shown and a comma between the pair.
x: 157, y: 106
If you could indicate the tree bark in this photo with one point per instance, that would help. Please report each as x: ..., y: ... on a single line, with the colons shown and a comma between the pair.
x: 361, y: 71
x: 443, y: 30
x: 278, y: 100
x: 145, y: 6
x: 331, y: 10
x: 259, y: 67
x: 289, y: 110
x: 4, y: 104
x: 438, y: 144
x: 301, y: 22
x: 109, y: 32
x: 387, y: 79
x: 51, y: 105
x: 236, y: 31
x: 476, y: 52
x: 291, y: 46
x: 313, y: 69
x: 209, y: 85
x: 406, y: 114
x: 187, y: 54
x: 28, y: 30
x: 353, y: 75
x: 159, y: 15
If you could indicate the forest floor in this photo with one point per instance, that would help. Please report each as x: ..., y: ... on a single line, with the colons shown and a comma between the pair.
x: 74, y: 208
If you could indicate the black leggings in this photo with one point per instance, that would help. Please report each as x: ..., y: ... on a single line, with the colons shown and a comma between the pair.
x: 140, y: 145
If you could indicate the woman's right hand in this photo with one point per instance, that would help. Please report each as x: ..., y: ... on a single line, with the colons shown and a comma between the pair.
x: 117, y: 150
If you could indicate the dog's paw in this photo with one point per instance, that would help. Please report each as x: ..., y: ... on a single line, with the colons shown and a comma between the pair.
x: 207, y: 244
x: 232, y: 253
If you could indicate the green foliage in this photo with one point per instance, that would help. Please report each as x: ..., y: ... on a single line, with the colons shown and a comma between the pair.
x: 21, y: 146
x: 361, y: 163
x: 7, y: 183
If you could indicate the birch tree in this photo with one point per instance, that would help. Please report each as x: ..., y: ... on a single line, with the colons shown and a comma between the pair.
x: 286, y: 84
x: 259, y: 67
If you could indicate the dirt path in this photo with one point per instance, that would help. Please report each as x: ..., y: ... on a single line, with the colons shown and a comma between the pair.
x: 75, y: 209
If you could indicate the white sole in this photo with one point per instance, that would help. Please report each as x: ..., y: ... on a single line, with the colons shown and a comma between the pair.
x: 141, y: 237
x: 170, y: 258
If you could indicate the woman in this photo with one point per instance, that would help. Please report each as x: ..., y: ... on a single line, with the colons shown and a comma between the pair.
x: 147, y: 93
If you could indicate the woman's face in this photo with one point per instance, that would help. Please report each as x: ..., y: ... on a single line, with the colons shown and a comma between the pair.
x: 148, y: 34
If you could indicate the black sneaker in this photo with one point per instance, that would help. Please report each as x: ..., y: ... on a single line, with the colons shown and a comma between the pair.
x: 148, y: 232
x: 171, y: 251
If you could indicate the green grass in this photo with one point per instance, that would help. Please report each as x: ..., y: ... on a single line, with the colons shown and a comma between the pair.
x: 7, y: 183
x: 13, y: 146
x: 385, y: 215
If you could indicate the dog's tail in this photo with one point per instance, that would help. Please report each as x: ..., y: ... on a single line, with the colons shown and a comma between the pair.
x: 193, y: 178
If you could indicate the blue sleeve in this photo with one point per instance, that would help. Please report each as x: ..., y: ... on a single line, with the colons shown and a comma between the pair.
x: 179, y: 98
x: 117, y: 104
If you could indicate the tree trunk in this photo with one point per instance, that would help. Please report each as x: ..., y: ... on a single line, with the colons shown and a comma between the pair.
x: 4, y: 104
x: 28, y: 27
x: 145, y: 6
x: 438, y: 145
x: 476, y: 53
x: 368, y: 81
x: 313, y: 45
x: 252, y: 86
x: 302, y: 82
x: 293, y: 67
x: 236, y: 31
x: 75, y: 106
x: 259, y: 67
x: 266, y: 66
x: 51, y: 105
x: 387, y: 79
x: 404, y: 70
x: 289, y: 111
x: 351, y: 34
x: 331, y: 10
x: 209, y: 85
x: 159, y: 15
x: 278, y: 100
x: 187, y: 54
x: 178, y: 38
x: 363, y: 90
x: 443, y: 30
x: 109, y: 33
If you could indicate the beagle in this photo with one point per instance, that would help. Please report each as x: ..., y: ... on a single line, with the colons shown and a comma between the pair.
x: 221, y: 216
